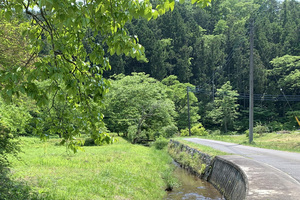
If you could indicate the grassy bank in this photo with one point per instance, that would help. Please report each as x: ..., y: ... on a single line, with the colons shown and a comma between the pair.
x: 279, y: 141
x: 204, y: 149
x: 119, y: 171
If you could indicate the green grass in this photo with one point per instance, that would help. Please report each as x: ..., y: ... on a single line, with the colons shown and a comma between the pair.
x: 284, y: 142
x: 204, y: 149
x: 118, y: 171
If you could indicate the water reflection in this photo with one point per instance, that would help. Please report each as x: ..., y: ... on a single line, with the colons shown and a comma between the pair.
x: 191, y: 187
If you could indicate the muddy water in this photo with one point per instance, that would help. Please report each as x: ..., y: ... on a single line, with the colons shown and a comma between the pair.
x: 192, y: 187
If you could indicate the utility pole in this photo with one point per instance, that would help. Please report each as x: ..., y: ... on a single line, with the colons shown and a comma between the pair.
x: 213, y: 86
x: 251, y: 102
x: 188, y: 103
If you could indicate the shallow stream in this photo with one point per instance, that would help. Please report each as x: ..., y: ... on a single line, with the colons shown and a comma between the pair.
x: 192, y: 187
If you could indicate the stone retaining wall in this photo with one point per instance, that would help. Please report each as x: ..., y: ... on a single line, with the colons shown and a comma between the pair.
x: 191, y: 159
x: 227, y: 177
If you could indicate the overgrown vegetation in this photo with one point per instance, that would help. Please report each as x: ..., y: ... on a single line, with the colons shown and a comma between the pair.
x: 160, y: 143
x: 281, y: 140
x: 119, y: 171
x: 60, y: 53
x: 197, y: 161
x: 66, y: 78
x: 202, y: 148
x: 56, y: 82
x: 209, y: 47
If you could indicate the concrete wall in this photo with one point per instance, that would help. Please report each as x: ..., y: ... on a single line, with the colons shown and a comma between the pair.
x: 227, y: 177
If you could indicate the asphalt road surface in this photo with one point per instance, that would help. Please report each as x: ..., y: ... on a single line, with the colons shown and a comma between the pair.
x: 287, y: 162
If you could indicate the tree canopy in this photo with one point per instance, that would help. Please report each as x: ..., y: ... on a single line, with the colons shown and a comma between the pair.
x: 56, y: 33
x: 139, y: 107
x: 66, y: 50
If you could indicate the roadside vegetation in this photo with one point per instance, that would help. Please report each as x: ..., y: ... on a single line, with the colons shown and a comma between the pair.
x: 204, y: 149
x: 119, y: 171
x: 86, y: 69
x: 281, y: 140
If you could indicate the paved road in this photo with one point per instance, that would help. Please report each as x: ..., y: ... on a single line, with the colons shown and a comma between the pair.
x: 285, y: 161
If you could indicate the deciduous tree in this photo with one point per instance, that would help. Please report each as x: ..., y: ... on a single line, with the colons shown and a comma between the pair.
x: 138, y: 106
x: 225, y: 111
x: 68, y: 67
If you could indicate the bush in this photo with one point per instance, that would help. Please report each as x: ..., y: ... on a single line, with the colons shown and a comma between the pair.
x: 215, y: 132
x: 260, y: 129
x: 131, y: 133
x: 140, y: 138
x: 247, y: 133
x: 89, y: 142
x: 170, y: 180
x: 169, y: 131
x: 184, y: 132
x: 8, y: 145
x: 160, y: 143
x: 275, y: 126
x: 197, y: 130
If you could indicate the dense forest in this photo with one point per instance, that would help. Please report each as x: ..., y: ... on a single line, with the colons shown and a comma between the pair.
x: 67, y: 87
x: 208, y: 47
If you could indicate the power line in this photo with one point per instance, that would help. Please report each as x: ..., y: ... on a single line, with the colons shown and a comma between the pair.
x: 257, y: 97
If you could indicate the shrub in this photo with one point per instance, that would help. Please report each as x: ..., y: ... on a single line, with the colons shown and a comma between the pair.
x: 170, y: 180
x: 260, y: 129
x: 184, y: 132
x: 169, y: 131
x: 8, y: 145
x: 131, y: 133
x: 198, y: 130
x: 247, y: 133
x: 275, y: 126
x: 160, y: 142
x: 215, y: 132
x: 89, y: 142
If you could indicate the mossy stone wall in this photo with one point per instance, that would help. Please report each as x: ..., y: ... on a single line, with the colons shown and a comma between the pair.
x: 227, y: 177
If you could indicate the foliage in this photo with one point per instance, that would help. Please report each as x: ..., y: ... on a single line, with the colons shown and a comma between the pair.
x: 95, y: 140
x: 215, y: 132
x: 131, y: 133
x: 275, y: 126
x: 8, y: 145
x: 119, y: 171
x: 14, y: 49
x: 138, y: 104
x: 291, y: 123
x: 14, y: 120
x: 197, y: 130
x: 12, y: 189
x: 225, y: 110
x: 74, y: 74
x: 287, y: 71
x: 177, y: 92
x: 160, y: 142
x: 185, y: 159
x: 202, y: 148
x: 184, y: 132
x: 208, y: 47
x: 170, y: 180
x: 169, y: 131
x: 260, y: 129
x: 278, y: 141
